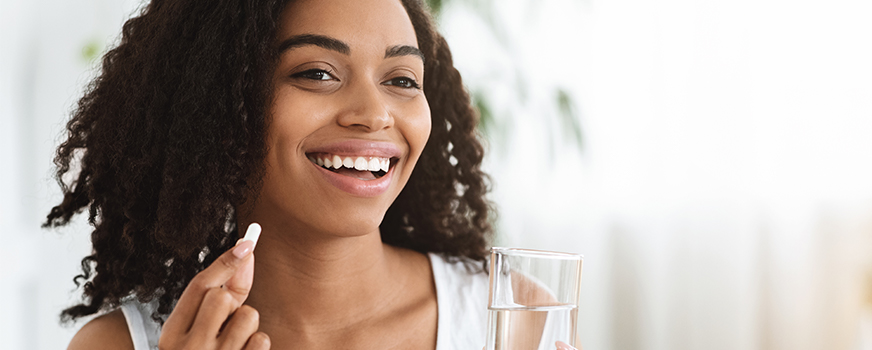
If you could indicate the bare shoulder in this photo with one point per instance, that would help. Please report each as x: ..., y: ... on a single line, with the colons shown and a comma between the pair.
x: 528, y: 291
x: 105, y: 332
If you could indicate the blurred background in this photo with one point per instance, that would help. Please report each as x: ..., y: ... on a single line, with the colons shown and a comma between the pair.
x: 711, y: 159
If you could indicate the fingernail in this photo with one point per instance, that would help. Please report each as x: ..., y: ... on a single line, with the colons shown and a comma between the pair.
x: 243, y: 248
x: 563, y: 346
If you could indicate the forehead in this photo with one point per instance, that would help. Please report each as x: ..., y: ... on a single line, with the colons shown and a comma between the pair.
x: 357, y: 22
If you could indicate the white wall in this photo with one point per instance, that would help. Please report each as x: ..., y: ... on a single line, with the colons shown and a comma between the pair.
x: 723, y: 198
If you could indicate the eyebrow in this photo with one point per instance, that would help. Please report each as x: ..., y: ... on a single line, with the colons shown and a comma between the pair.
x: 403, y: 50
x: 314, y: 39
x: 337, y: 45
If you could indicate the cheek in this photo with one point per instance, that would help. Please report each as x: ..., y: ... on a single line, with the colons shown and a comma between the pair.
x: 282, y: 139
x: 418, y: 127
x: 293, y: 118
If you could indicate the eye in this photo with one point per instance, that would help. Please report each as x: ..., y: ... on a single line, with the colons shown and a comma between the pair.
x: 403, y: 82
x: 314, y: 74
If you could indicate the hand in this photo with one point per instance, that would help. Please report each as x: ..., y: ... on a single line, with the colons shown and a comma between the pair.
x: 210, y: 315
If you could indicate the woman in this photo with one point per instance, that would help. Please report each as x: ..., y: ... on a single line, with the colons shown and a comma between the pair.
x: 211, y: 115
x: 307, y: 117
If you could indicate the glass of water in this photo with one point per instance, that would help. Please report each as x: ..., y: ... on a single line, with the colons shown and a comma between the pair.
x: 533, y: 300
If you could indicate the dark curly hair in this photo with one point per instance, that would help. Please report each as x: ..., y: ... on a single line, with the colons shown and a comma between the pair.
x: 169, y: 139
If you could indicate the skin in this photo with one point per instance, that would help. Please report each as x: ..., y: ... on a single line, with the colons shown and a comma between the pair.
x: 103, y: 333
x: 323, y: 279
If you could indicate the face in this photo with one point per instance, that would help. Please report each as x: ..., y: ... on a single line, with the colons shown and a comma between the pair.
x: 349, y: 118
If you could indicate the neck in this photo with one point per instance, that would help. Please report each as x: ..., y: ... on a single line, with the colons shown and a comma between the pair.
x: 312, y: 283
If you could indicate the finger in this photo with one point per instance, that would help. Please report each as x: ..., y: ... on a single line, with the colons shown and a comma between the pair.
x: 563, y: 346
x: 240, y: 283
x: 242, y: 324
x: 217, y: 306
x: 258, y: 341
x: 217, y: 274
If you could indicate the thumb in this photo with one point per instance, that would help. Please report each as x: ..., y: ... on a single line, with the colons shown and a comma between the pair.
x: 239, y: 284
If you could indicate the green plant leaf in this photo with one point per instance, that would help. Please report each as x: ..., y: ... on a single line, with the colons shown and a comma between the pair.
x: 92, y: 50
x: 569, y: 119
x: 486, y: 122
x: 435, y: 7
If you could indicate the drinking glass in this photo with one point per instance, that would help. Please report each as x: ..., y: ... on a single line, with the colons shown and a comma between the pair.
x: 533, y: 300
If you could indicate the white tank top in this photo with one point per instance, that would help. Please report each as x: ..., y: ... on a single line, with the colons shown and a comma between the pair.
x: 461, y: 295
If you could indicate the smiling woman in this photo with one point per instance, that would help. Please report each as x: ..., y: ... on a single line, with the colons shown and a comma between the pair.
x: 339, y: 126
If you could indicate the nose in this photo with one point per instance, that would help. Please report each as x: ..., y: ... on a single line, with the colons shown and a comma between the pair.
x: 366, y: 108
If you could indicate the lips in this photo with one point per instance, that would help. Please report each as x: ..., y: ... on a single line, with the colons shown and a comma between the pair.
x: 361, y: 168
x: 359, y: 148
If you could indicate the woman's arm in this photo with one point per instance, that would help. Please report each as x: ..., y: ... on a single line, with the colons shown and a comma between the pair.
x: 105, y: 332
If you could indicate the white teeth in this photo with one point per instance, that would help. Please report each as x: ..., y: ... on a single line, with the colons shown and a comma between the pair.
x: 373, y: 165
x: 360, y: 164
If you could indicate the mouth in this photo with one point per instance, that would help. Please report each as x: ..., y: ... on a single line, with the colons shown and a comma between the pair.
x: 359, y: 167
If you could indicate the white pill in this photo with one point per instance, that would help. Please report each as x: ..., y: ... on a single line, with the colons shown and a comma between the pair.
x: 253, y: 233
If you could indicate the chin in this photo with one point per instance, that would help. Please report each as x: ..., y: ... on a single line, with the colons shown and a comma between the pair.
x: 350, y: 223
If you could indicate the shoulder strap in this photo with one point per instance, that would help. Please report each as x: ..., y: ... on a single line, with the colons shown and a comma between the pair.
x: 461, y: 294
x: 135, y: 325
x: 443, y: 302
